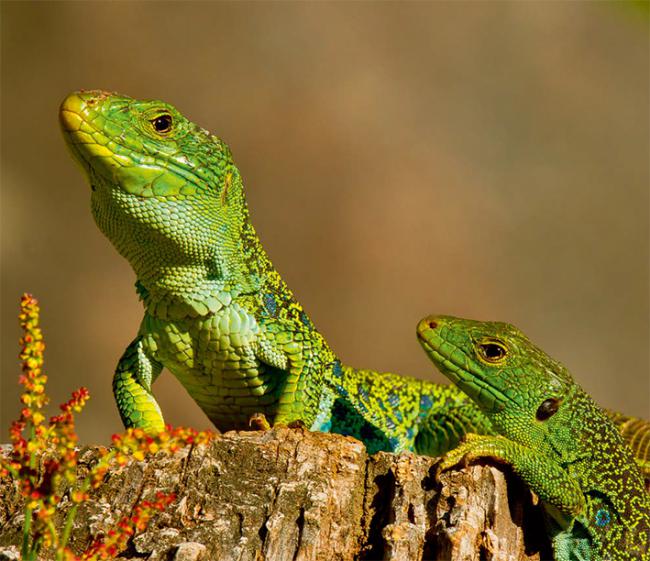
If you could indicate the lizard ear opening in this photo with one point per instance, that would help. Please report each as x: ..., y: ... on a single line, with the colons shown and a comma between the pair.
x: 547, y: 409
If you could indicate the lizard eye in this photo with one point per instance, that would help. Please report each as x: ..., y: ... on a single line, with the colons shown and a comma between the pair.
x: 492, y: 351
x: 163, y: 123
x: 547, y: 409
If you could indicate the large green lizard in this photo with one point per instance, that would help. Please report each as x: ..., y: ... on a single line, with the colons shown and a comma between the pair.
x: 551, y: 433
x: 168, y: 196
x: 217, y: 314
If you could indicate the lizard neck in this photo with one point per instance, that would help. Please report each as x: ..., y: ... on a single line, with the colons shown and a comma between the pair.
x: 237, y: 266
x: 184, y: 264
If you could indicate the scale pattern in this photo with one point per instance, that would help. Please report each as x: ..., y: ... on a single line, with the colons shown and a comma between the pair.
x: 555, y: 437
x: 636, y: 433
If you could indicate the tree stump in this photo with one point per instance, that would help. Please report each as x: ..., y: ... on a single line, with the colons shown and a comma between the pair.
x: 294, y: 495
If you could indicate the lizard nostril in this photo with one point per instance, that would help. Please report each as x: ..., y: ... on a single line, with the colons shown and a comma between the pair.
x: 432, y: 324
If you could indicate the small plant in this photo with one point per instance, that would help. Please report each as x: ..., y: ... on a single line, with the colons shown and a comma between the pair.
x: 43, y: 459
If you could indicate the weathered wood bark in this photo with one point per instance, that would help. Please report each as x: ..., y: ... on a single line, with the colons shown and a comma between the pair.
x: 297, y: 496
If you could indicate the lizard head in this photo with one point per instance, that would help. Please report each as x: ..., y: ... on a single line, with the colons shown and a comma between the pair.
x: 522, y: 390
x: 164, y: 190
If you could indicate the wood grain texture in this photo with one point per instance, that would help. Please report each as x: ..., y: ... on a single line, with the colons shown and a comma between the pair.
x: 294, y: 495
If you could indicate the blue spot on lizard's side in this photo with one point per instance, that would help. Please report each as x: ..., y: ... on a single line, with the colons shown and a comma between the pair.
x: 304, y: 318
x: 337, y: 369
x: 270, y: 304
x: 603, y: 517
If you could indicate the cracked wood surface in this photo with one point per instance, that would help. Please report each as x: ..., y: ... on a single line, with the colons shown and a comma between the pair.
x: 299, y: 496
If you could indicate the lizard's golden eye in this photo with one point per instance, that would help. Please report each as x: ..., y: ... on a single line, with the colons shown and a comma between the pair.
x: 547, y: 409
x: 163, y: 123
x: 492, y: 351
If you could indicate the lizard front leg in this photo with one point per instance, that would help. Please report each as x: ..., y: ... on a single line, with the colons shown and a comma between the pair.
x: 135, y: 373
x: 302, y: 355
x: 561, y: 494
x: 446, y: 425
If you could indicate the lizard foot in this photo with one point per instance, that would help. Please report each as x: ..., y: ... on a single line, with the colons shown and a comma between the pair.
x: 257, y: 421
x: 472, y: 447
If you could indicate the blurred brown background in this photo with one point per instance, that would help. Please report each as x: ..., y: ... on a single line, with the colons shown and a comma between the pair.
x: 488, y: 160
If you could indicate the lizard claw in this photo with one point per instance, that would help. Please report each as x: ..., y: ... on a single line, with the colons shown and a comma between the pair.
x: 467, y: 450
x: 257, y: 421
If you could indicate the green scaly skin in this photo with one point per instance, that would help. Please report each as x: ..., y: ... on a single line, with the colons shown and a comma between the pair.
x: 551, y: 433
x: 636, y: 434
x: 168, y: 196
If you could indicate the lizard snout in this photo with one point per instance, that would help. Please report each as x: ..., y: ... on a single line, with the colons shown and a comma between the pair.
x: 428, y: 324
x: 76, y: 105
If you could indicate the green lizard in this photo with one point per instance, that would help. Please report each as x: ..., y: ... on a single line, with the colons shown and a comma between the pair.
x: 217, y: 314
x: 551, y: 433
x: 168, y: 196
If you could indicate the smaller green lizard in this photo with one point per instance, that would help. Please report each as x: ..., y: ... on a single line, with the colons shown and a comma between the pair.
x: 552, y: 434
